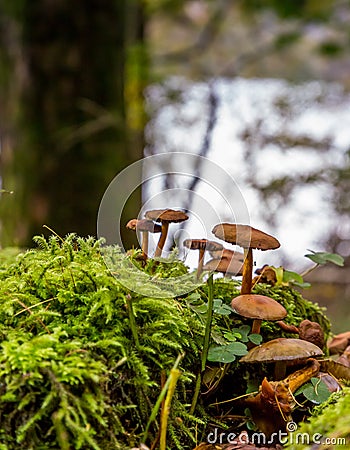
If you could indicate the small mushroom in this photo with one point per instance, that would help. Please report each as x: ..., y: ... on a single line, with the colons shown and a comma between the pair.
x: 249, y: 238
x: 307, y: 330
x: 259, y: 308
x: 227, y: 266
x: 202, y: 245
x: 282, y: 351
x: 165, y: 216
x: 226, y: 253
x: 311, y: 332
x: 145, y: 226
x: 344, y: 358
x: 339, y: 343
x: 265, y: 274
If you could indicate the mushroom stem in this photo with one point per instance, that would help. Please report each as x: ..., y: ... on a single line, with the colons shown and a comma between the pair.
x: 256, y: 326
x: 162, y: 239
x: 280, y: 370
x: 200, y: 262
x: 144, y: 244
x: 298, y: 378
x: 247, y: 271
x: 287, y: 328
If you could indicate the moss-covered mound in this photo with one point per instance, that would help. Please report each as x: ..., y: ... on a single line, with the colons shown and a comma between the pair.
x: 328, y: 428
x: 83, y: 359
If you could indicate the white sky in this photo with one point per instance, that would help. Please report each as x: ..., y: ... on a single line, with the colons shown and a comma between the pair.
x: 305, y: 219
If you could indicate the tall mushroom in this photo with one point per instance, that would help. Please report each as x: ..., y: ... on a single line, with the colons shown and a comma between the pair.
x: 258, y: 308
x: 145, y: 226
x: 249, y: 238
x: 202, y: 245
x: 165, y: 217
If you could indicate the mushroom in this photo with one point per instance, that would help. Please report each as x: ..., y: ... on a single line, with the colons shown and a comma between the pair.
x: 226, y: 253
x: 311, y: 332
x: 265, y: 275
x: 271, y: 408
x: 227, y: 266
x: 202, y: 245
x: 282, y: 351
x: 307, y: 330
x: 165, y: 216
x: 339, y: 343
x: 145, y: 226
x: 344, y: 358
x: 259, y: 308
x: 249, y: 238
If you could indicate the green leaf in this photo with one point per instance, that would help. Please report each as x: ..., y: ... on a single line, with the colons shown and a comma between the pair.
x: 232, y: 336
x: 227, y: 353
x: 316, y: 391
x: 220, y: 354
x: 304, y: 285
x: 289, y: 276
x: 238, y: 348
x: 279, y: 275
x: 221, y: 308
x: 242, y: 331
x: 255, y: 338
x: 324, y: 257
x: 252, y: 386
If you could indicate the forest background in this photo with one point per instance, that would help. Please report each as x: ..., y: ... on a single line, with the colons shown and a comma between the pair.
x: 77, y: 105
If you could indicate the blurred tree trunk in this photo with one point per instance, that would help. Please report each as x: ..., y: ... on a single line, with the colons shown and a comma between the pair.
x: 71, y: 110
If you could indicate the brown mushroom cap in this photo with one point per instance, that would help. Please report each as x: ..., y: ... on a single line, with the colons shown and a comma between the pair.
x: 312, y: 332
x: 202, y: 244
x: 255, y: 306
x: 144, y: 225
x: 226, y: 253
x: 166, y: 215
x: 224, y: 265
x: 282, y: 349
x: 245, y: 236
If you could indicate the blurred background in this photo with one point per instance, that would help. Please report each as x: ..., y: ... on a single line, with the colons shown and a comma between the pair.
x: 259, y: 87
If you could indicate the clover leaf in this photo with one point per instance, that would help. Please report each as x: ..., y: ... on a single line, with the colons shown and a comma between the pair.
x: 227, y: 353
x: 322, y: 258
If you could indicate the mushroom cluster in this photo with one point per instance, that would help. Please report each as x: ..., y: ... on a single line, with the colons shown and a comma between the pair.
x: 274, y: 398
x: 156, y: 221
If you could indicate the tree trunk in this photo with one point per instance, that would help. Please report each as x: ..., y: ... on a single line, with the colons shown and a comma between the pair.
x: 72, y: 128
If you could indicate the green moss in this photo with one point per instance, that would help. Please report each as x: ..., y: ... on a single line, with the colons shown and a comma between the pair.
x: 72, y: 374
x: 331, y: 420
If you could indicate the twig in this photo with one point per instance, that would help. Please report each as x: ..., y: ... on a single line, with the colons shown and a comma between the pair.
x: 31, y: 312
x: 310, y: 269
x: 234, y: 399
x: 33, y: 306
x: 53, y: 232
